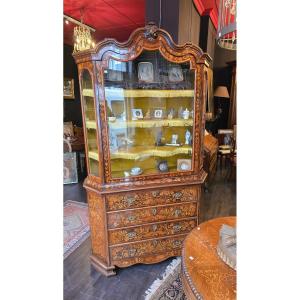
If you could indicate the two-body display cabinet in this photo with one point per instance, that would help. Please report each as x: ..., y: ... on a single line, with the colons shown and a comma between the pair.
x: 143, y: 111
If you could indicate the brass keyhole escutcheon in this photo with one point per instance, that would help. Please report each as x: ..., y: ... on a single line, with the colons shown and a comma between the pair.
x: 176, y: 227
x: 177, y: 195
x: 131, y: 234
x: 154, y: 227
x: 129, y: 200
x: 177, y: 212
x: 131, y: 252
x: 154, y: 211
x: 131, y: 218
x: 155, y: 193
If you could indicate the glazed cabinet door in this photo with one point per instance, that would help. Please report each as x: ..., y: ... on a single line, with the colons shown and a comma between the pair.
x: 150, y: 108
x: 89, y: 116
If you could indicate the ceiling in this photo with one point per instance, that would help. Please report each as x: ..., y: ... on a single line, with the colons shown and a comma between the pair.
x: 118, y: 18
x: 111, y: 18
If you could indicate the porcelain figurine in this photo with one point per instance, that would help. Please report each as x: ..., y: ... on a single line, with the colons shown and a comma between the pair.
x: 186, y: 114
x: 159, y: 139
x: 148, y: 115
x: 171, y: 114
x: 174, y: 139
x: 188, y: 136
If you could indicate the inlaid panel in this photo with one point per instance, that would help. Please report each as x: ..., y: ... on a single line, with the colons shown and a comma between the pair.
x: 97, y: 224
x: 149, y: 198
x: 150, y: 96
x: 151, y: 214
x: 145, y: 248
x: 150, y: 231
x: 149, y: 259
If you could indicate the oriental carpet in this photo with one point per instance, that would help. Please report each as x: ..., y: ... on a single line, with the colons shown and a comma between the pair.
x: 76, y: 225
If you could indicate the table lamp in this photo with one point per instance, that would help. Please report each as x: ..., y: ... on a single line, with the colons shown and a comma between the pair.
x: 221, y: 91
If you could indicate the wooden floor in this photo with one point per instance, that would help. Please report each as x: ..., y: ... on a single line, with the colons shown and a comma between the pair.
x: 82, y: 282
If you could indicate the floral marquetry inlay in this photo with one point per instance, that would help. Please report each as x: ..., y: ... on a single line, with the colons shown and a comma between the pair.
x: 150, y: 231
x: 207, y: 275
x: 144, y: 217
x: 144, y: 248
x: 153, y: 197
x: 151, y: 214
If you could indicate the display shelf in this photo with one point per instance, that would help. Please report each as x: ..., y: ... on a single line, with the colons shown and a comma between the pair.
x: 119, y: 93
x: 142, y: 152
x: 151, y: 123
x: 88, y: 92
x: 93, y: 155
x: 149, y: 171
x: 91, y: 124
x: 148, y: 76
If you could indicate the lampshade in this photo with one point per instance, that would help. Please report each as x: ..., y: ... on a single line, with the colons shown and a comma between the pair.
x: 227, y: 34
x: 221, y: 91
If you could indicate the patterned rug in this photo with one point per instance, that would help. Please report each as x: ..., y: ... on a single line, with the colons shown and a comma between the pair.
x: 76, y: 225
x: 169, y: 287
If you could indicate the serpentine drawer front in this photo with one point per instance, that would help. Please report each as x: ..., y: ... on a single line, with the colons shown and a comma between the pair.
x: 154, y: 230
x: 142, y: 218
x: 149, y: 198
x: 151, y: 214
x: 147, y: 247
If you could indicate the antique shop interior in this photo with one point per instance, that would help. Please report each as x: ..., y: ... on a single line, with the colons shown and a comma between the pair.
x: 149, y: 115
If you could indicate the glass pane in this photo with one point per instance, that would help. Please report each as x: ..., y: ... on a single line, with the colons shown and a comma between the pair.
x: 150, y: 105
x: 90, y: 122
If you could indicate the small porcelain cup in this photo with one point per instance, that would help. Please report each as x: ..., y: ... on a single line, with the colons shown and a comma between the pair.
x: 135, y: 170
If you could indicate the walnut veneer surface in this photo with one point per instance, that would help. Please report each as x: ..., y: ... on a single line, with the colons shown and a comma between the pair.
x: 210, y: 156
x: 143, y: 218
x: 204, y: 275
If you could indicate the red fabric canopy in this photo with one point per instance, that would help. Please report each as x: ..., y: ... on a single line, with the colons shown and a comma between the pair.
x: 111, y: 18
x: 210, y: 8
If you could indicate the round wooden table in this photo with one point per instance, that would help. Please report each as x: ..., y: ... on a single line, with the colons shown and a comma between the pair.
x: 204, y: 275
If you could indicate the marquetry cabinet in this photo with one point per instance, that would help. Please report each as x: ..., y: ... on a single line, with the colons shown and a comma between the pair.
x: 143, y: 117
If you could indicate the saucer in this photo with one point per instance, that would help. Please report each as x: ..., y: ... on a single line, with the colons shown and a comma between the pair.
x: 135, y: 174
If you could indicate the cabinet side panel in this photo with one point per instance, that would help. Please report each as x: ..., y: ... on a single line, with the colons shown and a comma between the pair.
x: 97, y: 225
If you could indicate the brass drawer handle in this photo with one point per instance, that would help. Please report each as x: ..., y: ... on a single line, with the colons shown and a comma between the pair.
x: 129, y: 200
x: 177, y: 212
x: 131, y: 234
x: 155, y: 193
x: 177, y: 195
x: 131, y: 218
x: 154, y: 227
x: 177, y: 243
x: 154, y: 211
x: 177, y: 227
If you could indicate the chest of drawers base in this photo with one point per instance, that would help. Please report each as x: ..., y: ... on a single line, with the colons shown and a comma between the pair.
x: 145, y: 226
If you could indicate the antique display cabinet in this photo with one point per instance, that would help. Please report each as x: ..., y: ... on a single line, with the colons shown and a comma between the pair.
x: 143, y: 114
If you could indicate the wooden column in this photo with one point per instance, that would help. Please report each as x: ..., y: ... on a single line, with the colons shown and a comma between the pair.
x: 189, y: 23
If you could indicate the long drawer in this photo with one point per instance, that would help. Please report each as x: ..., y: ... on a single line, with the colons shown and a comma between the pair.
x: 151, y: 197
x: 139, y: 249
x: 152, y: 214
x: 143, y: 232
